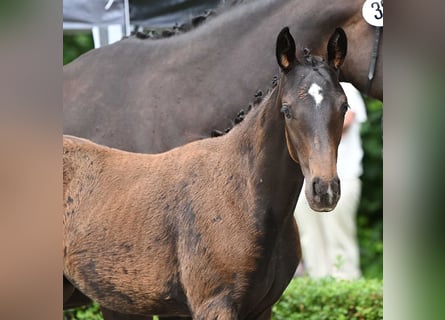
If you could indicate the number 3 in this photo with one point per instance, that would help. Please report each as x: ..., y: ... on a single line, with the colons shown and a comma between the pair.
x: 377, y: 8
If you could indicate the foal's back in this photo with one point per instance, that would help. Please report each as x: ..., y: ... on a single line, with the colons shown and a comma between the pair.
x: 111, y: 173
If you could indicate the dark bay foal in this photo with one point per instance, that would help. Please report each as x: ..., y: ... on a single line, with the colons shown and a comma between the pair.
x: 207, y: 229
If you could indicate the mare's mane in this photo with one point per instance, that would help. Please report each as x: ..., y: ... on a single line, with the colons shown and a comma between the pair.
x: 190, y: 24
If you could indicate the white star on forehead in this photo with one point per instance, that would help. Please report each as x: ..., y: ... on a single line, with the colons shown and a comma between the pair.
x: 316, y: 93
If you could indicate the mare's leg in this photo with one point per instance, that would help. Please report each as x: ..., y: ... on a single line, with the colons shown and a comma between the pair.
x: 73, y: 298
x: 266, y: 315
x: 68, y: 291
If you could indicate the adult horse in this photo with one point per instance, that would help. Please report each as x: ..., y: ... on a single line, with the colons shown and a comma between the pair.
x: 132, y: 95
x: 207, y: 229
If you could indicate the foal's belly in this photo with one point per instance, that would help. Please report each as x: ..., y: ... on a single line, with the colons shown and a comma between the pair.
x: 125, y: 273
x: 124, y: 288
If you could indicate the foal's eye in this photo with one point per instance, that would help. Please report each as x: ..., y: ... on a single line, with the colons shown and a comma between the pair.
x: 286, y: 110
x: 344, y: 107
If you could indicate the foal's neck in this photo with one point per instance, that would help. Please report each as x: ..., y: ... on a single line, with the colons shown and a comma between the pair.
x: 266, y: 129
x: 261, y: 141
x: 272, y: 175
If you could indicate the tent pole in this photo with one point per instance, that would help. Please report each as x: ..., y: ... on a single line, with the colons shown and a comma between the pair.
x: 126, y: 18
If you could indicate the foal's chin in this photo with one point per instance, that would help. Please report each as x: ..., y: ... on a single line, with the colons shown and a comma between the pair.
x: 321, y: 207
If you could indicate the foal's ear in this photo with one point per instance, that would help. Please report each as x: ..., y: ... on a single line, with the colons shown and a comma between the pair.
x: 337, y: 48
x: 285, y: 50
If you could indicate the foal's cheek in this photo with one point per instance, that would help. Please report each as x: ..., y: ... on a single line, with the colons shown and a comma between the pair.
x: 292, y: 147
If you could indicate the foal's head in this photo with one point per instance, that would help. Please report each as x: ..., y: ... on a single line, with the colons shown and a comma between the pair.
x: 314, y: 104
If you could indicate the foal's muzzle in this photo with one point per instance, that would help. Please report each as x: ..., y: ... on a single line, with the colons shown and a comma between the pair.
x: 323, y: 195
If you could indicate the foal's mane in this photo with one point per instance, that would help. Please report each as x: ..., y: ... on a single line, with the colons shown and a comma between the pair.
x: 258, y: 98
x: 307, y: 60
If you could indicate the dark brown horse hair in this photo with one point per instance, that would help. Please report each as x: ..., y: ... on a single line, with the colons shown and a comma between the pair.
x: 167, y: 32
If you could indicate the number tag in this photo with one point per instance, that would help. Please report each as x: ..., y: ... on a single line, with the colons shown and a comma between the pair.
x: 373, y: 12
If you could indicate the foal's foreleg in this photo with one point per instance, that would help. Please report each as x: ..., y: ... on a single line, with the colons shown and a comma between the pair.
x: 215, y: 309
x: 225, y: 314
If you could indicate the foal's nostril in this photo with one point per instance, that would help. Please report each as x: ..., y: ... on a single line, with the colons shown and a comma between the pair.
x: 326, y: 191
x: 336, y: 185
x: 316, y: 186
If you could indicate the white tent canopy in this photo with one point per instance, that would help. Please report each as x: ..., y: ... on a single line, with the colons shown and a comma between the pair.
x: 108, y: 20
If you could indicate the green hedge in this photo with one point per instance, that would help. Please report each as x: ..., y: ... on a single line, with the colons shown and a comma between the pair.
x: 308, y: 299
x: 331, y: 299
x: 91, y: 312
